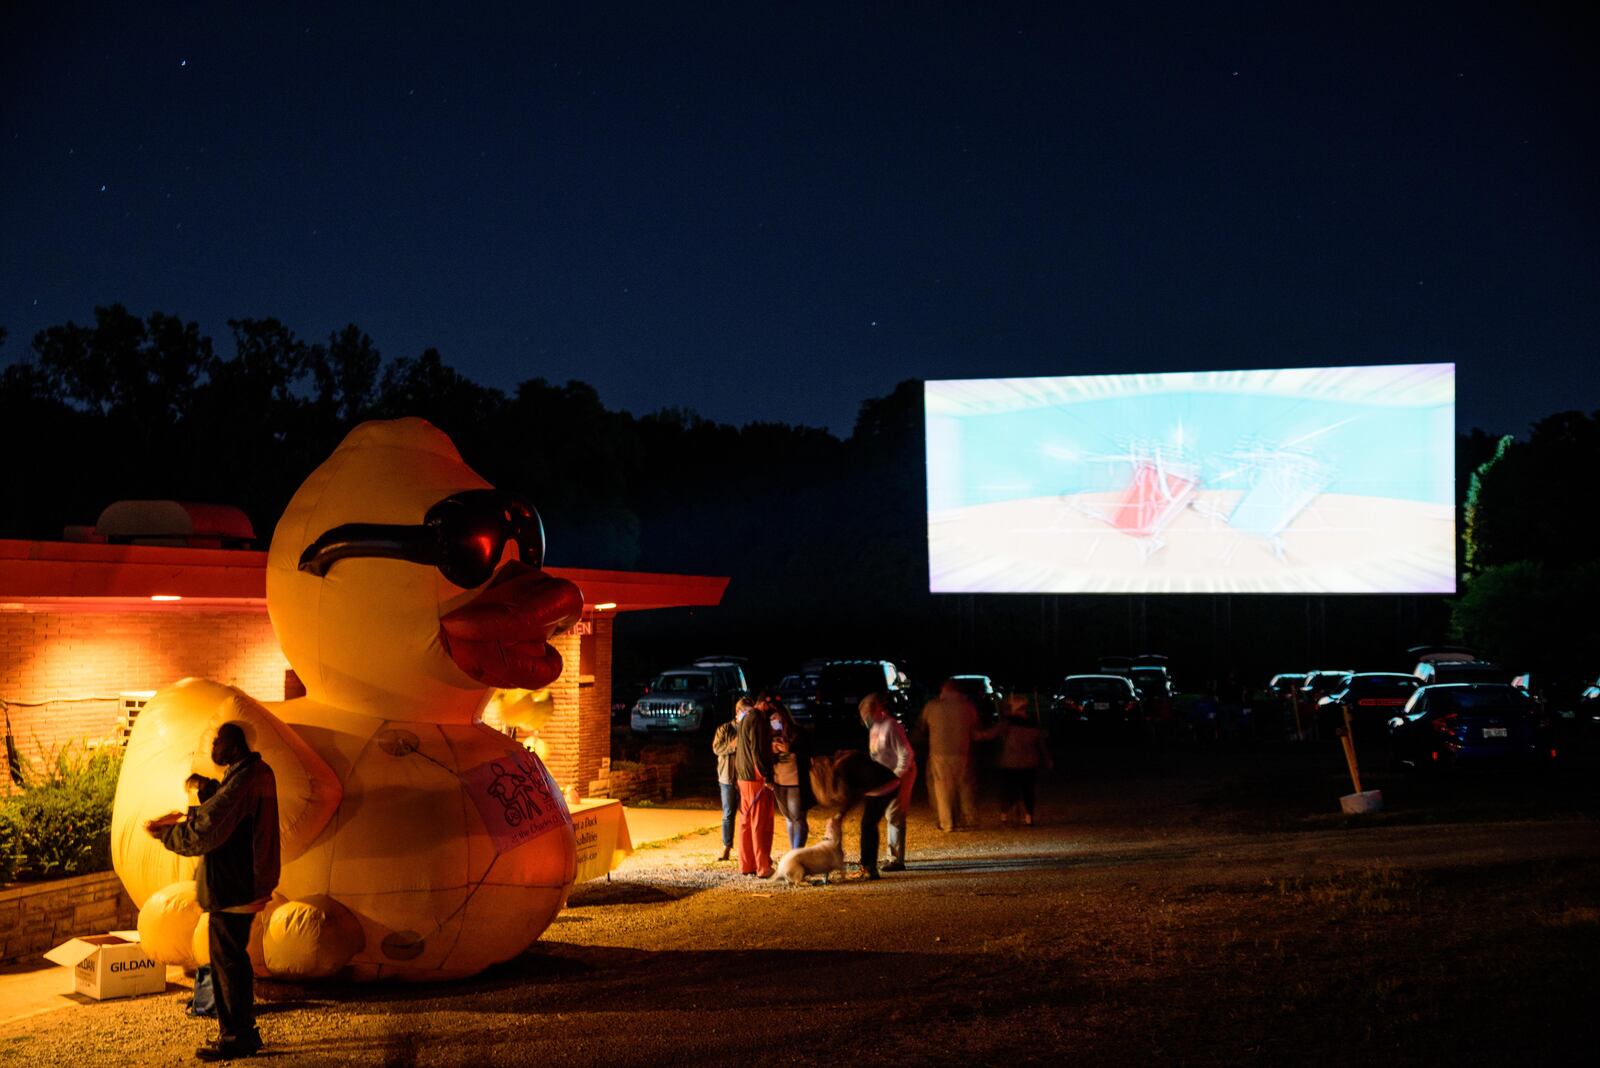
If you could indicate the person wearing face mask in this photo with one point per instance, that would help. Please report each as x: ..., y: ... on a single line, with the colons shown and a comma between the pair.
x: 791, y: 777
x: 752, y: 769
x: 723, y: 743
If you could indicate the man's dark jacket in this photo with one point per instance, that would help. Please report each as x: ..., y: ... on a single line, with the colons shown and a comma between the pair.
x: 237, y: 832
x: 752, y: 753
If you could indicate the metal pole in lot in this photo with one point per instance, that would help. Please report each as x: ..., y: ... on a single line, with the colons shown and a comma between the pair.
x: 1349, y: 742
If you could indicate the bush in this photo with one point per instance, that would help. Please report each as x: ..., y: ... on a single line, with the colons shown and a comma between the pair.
x: 60, y: 824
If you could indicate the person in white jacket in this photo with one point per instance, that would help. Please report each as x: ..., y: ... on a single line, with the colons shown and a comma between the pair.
x: 889, y: 746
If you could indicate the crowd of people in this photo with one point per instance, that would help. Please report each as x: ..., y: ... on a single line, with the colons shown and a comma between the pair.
x: 765, y: 766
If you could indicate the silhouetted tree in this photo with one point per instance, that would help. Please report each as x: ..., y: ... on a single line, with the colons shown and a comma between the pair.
x: 346, y: 373
x: 1530, y: 501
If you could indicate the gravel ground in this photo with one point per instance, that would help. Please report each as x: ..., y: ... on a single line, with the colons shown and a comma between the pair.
x: 1179, y: 908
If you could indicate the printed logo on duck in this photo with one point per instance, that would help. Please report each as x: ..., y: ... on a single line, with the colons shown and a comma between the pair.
x: 516, y: 799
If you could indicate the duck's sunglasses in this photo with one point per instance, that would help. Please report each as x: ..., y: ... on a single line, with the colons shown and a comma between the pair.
x: 463, y: 535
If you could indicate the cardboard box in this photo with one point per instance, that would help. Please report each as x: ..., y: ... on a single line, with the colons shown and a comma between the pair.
x: 110, y: 966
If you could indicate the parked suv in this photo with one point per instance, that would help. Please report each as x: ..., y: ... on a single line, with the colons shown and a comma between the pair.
x: 841, y: 684
x: 689, y: 699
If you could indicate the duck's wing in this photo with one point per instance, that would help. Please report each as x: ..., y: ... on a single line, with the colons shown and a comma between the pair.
x: 172, y: 739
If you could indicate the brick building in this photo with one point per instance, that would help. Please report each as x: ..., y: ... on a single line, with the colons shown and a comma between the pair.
x: 87, y: 629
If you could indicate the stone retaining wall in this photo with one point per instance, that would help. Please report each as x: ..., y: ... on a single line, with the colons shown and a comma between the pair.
x: 35, y: 917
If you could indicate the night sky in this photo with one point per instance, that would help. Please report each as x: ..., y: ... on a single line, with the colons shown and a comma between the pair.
x: 774, y: 212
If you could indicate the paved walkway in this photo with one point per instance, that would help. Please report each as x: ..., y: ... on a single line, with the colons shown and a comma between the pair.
x: 30, y: 989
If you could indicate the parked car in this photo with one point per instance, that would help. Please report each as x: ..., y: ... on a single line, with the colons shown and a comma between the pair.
x: 1434, y: 672
x: 798, y: 692
x: 979, y: 689
x: 689, y: 699
x: 1461, y: 724
x: 1097, y: 702
x: 1156, y: 693
x: 1589, y: 707
x: 1285, y: 685
x: 1319, y: 684
x: 841, y: 684
x: 1372, y: 698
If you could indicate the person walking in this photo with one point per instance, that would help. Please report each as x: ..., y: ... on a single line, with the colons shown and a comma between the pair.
x: 888, y: 745
x: 949, y: 722
x: 791, y: 779
x: 236, y: 832
x: 1022, y: 751
x: 752, y: 770
x: 722, y: 744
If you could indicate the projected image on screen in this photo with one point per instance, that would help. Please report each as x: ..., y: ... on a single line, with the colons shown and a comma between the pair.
x: 1313, y: 480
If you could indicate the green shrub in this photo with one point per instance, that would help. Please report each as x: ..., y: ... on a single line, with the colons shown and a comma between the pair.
x: 60, y: 824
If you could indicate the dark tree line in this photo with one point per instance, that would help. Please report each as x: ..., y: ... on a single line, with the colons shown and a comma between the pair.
x: 824, y: 538
x: 126, y: 407
x: 1529, y: 534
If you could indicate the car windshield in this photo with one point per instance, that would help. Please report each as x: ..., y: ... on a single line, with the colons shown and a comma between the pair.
x: 1097, y: 689
x: 682, y: 682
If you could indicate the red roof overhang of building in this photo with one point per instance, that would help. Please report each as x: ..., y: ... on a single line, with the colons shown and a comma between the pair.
x: 92, y: 577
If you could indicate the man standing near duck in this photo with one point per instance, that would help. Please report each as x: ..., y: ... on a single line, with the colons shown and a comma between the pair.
x: 236, y: 832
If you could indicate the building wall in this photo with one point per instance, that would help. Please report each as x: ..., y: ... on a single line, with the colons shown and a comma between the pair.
x: 579, y: 732
x: 61, y: 672
x: 36, y: 917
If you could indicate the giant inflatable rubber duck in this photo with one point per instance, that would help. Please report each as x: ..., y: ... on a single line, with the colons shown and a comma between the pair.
x: 417, y: 843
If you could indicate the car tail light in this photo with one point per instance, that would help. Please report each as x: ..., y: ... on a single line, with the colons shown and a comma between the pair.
x: 1445, y: 725
x: 1129, y: 706
x: 1434, y: 756
x: 1552, y: 754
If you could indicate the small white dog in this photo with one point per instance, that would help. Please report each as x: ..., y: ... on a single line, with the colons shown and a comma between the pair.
x: 822, y: 858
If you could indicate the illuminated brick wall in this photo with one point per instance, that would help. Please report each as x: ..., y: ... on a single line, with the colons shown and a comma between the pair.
x: 579, y: 732
x: 61, y: 672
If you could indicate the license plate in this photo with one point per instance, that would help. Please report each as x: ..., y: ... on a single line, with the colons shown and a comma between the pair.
x: 1101, y: 706
x: 1494, y: 732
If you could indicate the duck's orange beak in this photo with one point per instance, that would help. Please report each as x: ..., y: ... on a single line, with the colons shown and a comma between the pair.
x: 502, y: 637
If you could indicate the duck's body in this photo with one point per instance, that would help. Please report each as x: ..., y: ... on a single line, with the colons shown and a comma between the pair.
x: 417, y: 843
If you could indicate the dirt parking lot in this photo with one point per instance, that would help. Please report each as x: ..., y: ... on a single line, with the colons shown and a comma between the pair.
x: 1191, y: 907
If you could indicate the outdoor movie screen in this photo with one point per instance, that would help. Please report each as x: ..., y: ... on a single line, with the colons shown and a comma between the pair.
x: 1306, y: 480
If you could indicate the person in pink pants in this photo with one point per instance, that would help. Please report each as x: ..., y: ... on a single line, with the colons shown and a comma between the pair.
x: 752, y: 770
